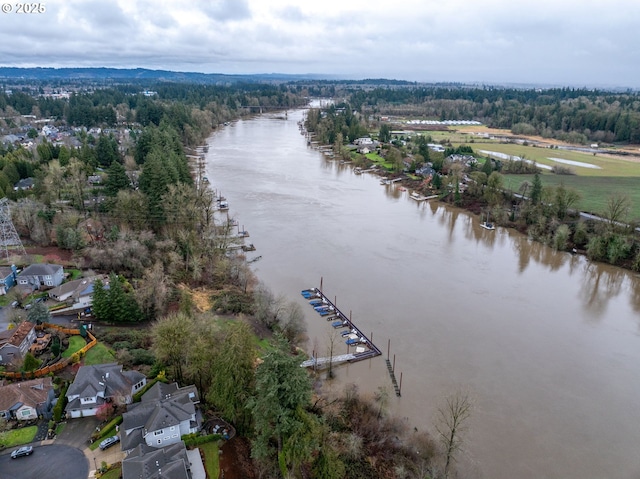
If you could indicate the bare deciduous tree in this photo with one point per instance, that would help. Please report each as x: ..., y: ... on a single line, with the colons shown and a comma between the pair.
x: 617, y: 209
x: 451, y: 425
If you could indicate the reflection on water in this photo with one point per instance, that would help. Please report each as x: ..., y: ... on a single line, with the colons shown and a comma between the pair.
x: 547, y: 342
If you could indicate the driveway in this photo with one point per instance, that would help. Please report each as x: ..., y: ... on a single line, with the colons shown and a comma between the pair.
x: 77, y: 433
x: 46, y: 461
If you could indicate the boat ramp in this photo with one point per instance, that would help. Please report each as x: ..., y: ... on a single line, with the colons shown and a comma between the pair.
x: 354, y: 337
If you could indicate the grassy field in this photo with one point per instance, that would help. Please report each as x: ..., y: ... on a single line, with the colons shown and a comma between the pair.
x: 76, y: 343
x: 594, y: 190
x: 99, y: 354
x: 18, y: 437
x: 595, y: 185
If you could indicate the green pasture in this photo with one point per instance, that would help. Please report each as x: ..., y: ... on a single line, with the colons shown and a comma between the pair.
x: 608, y: 166
x: 594, y: 190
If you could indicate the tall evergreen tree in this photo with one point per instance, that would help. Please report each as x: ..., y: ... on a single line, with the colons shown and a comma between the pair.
x: 536, y: 189
x: 117, y: 179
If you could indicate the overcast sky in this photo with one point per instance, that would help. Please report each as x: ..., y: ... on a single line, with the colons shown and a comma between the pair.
x: 559, y: 42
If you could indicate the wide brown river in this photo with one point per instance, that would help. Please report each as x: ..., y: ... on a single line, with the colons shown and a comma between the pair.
x: 547, y: 344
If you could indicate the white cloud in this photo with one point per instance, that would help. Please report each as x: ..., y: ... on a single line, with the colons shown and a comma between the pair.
x: 496, y: 41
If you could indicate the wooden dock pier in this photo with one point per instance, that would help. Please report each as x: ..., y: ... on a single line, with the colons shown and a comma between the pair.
x: 370, y: 349
x: 393, y: 377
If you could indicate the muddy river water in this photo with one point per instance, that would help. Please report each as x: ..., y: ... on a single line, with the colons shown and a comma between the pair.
x: 546, y: 343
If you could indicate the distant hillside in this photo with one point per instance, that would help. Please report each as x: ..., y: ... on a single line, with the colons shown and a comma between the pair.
x: 129, y: 74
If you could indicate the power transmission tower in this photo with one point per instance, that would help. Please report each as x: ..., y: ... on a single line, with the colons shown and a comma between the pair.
x: 8, y: 234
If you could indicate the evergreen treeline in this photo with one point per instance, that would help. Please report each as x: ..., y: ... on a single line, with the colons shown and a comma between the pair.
x: 575, y: 115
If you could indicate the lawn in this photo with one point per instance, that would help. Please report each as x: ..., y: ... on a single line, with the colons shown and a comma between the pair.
x: 99, y: 354
x: 113, y: 473
x: 378, y: 160
x: 18, y: 437
x: 76, y: 343
x: 211, y: 458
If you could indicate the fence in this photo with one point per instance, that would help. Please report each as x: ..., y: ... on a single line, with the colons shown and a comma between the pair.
x: 63, y: 363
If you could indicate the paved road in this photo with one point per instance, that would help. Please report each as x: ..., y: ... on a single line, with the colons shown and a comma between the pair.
x: 53, y: 461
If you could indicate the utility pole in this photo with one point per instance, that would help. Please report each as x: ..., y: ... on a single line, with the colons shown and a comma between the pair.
x: 8, y: 234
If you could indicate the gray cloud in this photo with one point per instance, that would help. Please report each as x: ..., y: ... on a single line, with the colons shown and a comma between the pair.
x: 546, y: 41
x: 225, y: 10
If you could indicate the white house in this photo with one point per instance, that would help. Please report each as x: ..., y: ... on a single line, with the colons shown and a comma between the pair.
x: 97, y: 385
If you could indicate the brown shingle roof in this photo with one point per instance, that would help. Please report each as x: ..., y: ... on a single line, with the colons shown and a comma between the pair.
x: 19, y: 334
x: 31, y: 393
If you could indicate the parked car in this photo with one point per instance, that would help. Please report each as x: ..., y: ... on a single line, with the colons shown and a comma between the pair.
x: 23, y: 451
x: 108, y: 442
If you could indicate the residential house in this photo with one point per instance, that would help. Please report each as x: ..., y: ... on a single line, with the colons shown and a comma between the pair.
x: 43, y: 274
x: 365, y: 140
x: 426, y: 171
x: 101, y: 384
x: 8, y: 278
x: 164, y: 414
x: 24, y: 184
x: 27, y: 400
x: 71, y: 290
x: 170, y: 462
x: 15, y: 343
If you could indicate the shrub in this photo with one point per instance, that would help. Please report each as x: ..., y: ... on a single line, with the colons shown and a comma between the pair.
x: 108, y: 430
x: 561, y: 238
x: 60, y: 405
x: 142, y: 356
x: 122, y: 345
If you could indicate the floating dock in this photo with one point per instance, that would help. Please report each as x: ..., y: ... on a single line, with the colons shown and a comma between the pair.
x: 355, y: 337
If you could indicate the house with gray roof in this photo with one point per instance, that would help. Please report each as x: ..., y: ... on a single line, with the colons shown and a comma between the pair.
x: 26, y: 400
x: 24, y: 184
x: 101, y: 384
x: 71, y: 289
x: 40, y: 275
x: 170, y: 462
x: 164, y: 414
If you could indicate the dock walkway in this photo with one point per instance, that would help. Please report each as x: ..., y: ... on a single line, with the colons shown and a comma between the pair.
x: 369, y: 350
